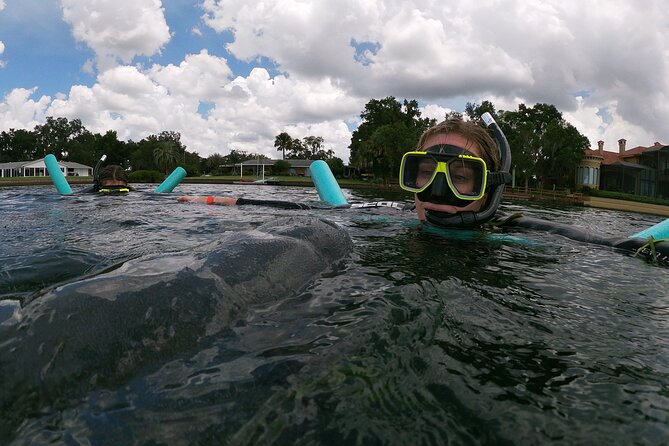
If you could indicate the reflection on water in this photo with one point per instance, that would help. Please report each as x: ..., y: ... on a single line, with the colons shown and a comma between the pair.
x: 416, y: 338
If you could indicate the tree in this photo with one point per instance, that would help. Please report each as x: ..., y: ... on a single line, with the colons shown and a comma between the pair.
x: 336, y: 166
x: 388, y: 129
x: 166, y: 155
x: 17, y: 145
x: 168, y: 151
x: 81, y: 149
x: 212, y: 164
x: 118, y: 152
x: 55, y: 136
x: 543, y: 144
x: 283, y: 142
x: 475, y: 111
x: 281, y: 167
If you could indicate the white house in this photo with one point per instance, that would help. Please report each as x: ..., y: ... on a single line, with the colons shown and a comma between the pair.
x: 37, y: 168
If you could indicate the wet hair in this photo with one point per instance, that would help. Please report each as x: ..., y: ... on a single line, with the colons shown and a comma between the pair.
x: 112, y: 172
x: 470, y: 131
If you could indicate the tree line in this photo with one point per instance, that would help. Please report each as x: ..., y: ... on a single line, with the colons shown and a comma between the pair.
x: 71, y: 141
x: 545, y: 148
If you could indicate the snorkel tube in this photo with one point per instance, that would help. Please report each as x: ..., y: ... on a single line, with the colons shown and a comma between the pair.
x: 96, y: 173
x: 474, y: 219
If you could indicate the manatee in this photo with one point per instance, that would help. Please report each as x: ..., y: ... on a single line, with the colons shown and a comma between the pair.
x: 98, y: 331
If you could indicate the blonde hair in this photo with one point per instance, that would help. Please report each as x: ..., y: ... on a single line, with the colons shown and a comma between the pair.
x: 470, y: 131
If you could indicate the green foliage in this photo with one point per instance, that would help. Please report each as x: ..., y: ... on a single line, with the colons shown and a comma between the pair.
x: 336, y: 166
x: 237, y: 156
x: 17, y: 145
x: 167, y: 150
x: 388, y: 130
x: 543, y: 144
x: 283, y: 142
x: 146, y: 176
x: 281, y: 167
x: 212, y: 165
x: 55, y: 136
x: 310, y: 148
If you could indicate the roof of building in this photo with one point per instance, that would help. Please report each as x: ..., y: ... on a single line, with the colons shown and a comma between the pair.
x: 615, y: 158
x: 19, y: 164
x: 270, y: 162
x: 14, y: 165
x: 622, y: 163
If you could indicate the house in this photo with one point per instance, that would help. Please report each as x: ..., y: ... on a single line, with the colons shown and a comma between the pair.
x: 37, y: 168
x: 258, y: 167
x: 639, y: 171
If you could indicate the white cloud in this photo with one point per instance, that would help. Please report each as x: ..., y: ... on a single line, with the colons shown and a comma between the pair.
x: 604, y: 64
x: 246, y: 113
x: 199, y: 76
x: 534, y: 51
x: 117, y: 30
x: 19, y: 111
x: 2, y: 5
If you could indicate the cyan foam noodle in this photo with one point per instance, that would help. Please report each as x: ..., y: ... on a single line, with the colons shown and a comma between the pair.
x: 658, y: 231
x: 326, y: 184
x: 172, y: 181
x: 56, y: 175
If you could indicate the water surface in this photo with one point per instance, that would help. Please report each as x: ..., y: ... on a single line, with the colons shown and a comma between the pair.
x: 416, y: 338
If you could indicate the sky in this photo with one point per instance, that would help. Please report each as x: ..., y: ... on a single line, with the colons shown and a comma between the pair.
x: 233, y: 74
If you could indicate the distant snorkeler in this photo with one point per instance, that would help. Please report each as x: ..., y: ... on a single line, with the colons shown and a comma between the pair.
x: 110, y: 179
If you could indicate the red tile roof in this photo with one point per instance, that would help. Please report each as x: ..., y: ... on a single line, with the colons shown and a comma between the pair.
x: 612, y: 157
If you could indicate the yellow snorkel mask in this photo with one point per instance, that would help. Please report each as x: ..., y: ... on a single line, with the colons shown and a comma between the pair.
x: 113, y: 190
x: 449, y: 174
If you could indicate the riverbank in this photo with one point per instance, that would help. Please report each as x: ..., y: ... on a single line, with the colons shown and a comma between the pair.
x: 622, y: 205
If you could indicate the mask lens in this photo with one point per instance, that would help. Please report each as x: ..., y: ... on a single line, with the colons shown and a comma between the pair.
x: 466, y: 176
x: 417, y: 172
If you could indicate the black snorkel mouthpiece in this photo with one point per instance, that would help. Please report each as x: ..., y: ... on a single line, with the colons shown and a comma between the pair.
x: 440, y: 193
x: 470, y: 220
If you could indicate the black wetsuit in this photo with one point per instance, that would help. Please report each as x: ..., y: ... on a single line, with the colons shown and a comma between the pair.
x: 655, y: 251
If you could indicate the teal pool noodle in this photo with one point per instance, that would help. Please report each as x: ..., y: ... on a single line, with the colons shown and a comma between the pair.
x: 658, y: 231
x: 326, y: 184
x: 56, y: 175
x: 172, y: 181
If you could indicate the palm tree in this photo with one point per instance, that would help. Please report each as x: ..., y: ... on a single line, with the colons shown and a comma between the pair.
x: 283, y: 142
x: 166, y: 155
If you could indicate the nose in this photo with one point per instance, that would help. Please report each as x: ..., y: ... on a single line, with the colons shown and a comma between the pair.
x: 440, y: 186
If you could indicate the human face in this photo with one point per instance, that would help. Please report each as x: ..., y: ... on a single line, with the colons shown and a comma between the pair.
x: 466, y: 180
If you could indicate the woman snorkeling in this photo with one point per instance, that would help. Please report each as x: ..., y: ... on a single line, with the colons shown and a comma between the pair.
x: 449, y: 174
x: 111, y: 179
x: 457, y: 175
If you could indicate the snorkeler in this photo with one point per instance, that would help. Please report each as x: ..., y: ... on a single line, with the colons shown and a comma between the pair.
x: 449, y: 174
x: 457, y: 175
x: 111, y: 179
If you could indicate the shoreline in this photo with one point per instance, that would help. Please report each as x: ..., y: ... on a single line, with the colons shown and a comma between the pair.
x: 575, y: 200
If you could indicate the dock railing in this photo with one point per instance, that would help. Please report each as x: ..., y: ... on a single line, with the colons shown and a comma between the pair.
x: 556, y: 195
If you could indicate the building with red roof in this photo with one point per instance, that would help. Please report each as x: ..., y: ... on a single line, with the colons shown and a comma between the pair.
x: 639, y: 171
